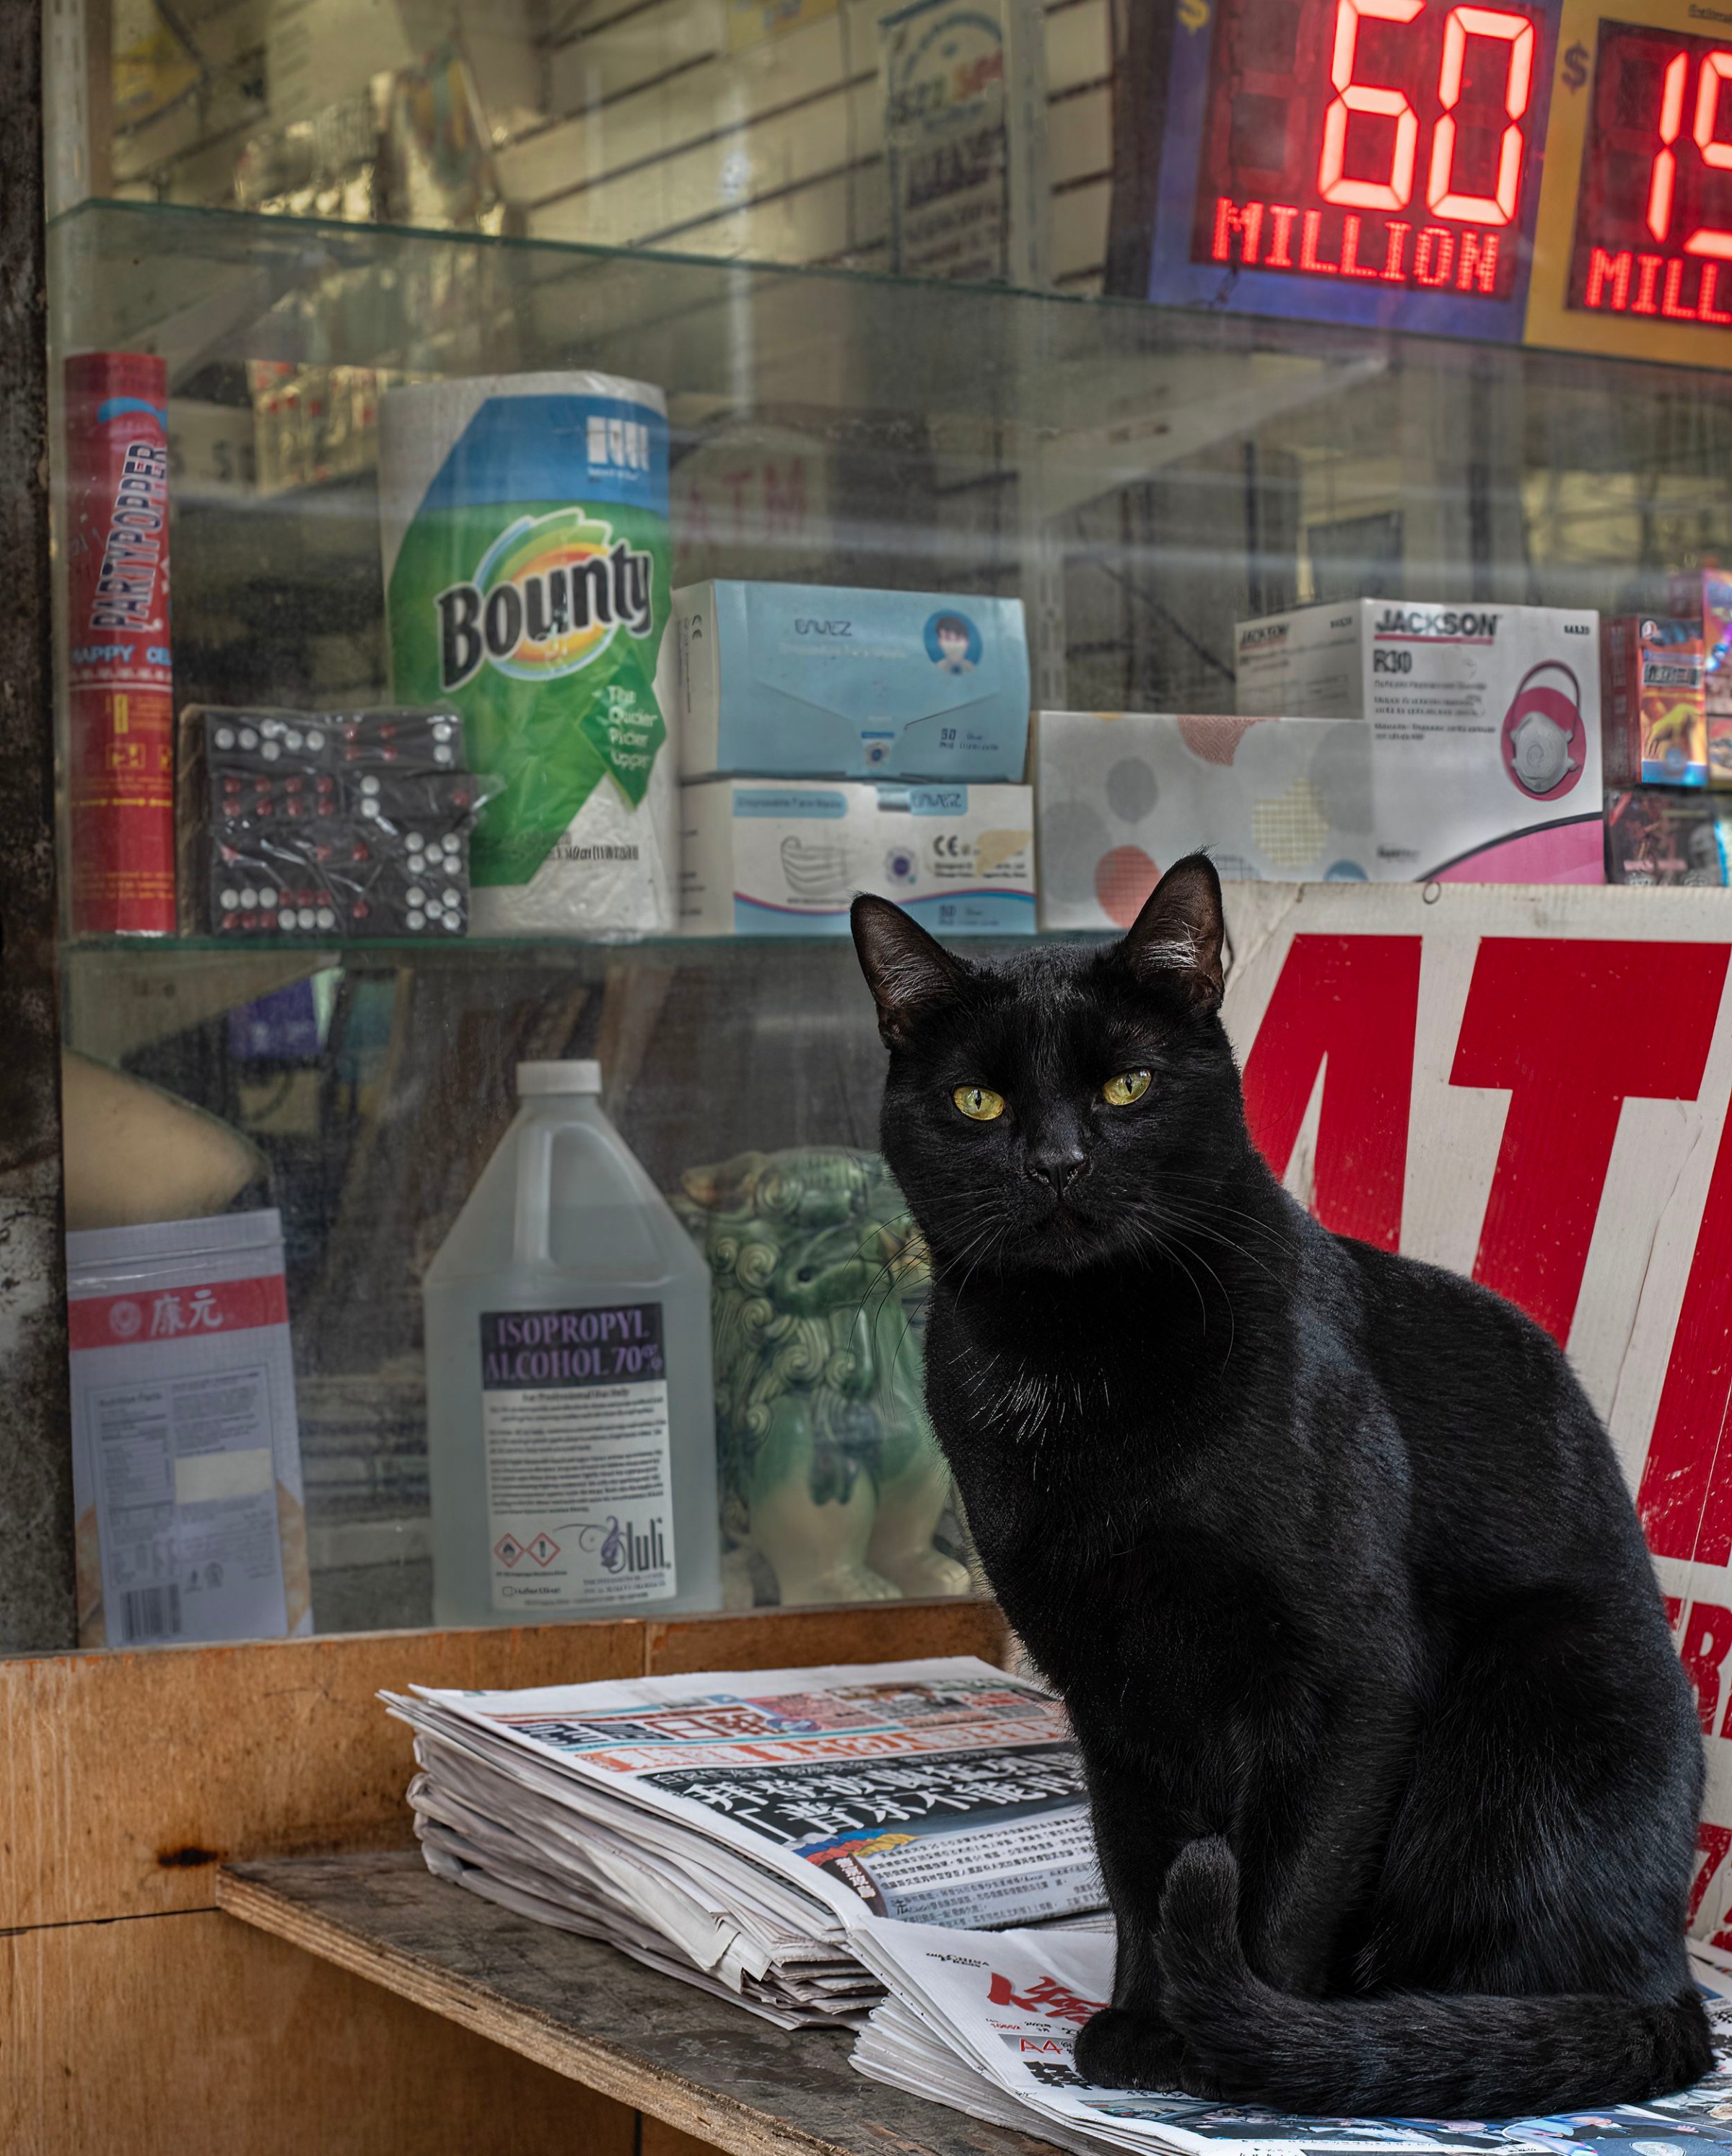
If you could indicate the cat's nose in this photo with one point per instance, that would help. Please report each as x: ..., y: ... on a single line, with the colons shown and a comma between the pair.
x: 1057, y: 1165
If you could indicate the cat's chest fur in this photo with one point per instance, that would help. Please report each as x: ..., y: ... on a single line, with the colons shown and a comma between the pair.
x: 1139, y: 1579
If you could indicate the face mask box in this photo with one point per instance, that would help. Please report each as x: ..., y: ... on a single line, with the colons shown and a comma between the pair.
x: 1425, y: 668
x: 800, y: 680
x: 1485, y: 723
x: 785, y: 857
x: 1655, y: 729
x: 1124, y: 795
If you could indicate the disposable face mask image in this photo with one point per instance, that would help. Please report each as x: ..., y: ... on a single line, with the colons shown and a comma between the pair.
x: 1541, y: 730
x: 1542, y: 752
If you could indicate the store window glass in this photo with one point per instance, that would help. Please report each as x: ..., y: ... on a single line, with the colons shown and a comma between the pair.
x: 627, y: 475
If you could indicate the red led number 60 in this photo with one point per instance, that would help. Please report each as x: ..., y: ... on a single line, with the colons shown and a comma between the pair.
x: 1716, y: 69
x: 1397, y: 191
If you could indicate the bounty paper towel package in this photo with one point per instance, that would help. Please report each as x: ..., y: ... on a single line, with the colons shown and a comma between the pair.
x: 798, y: 680
x: 784, y: 857
x: 523, y: 520
x: 1123, y: 795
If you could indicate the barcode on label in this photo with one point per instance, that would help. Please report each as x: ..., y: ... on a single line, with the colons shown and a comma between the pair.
x: 151, y: 1612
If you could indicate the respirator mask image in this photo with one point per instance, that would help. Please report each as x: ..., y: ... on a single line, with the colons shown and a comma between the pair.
x: 1542, y: 731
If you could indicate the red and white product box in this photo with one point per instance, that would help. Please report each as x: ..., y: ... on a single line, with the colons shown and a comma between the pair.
x: 120, y: 670
x: 186, y: 1452
x: 1531, y: 1086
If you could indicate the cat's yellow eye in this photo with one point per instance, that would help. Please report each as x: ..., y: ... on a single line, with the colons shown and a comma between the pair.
x: 1128, y: 1086
x: 979, y: 1103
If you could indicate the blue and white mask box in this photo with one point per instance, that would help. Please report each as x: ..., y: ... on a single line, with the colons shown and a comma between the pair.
x: 798, y: 681
x: 785, y: 856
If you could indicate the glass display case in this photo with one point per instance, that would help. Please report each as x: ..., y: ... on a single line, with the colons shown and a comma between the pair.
x: 1141, y: 478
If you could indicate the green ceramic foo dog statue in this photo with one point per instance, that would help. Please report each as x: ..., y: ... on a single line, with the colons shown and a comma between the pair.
x: 828, y: 1469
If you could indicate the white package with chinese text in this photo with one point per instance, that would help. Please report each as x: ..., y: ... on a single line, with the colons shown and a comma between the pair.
x: 186, y: 1448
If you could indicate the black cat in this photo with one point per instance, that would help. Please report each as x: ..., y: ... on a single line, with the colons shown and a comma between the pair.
x: 1394, y: 1774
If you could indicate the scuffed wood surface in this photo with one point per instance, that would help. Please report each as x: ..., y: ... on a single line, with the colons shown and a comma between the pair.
x: 191, y: 2035
x: 126, y: 1777
x: 701, y: 2066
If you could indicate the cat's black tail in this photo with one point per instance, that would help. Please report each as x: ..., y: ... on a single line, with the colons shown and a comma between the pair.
x: 1417, y: 2056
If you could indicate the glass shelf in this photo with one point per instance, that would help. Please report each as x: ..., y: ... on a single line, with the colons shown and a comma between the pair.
x: 1141, y: 476
x: 352, y: 950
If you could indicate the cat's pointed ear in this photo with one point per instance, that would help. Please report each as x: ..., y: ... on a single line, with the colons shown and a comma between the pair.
x: 907, y: 971
x: 1180, y: 934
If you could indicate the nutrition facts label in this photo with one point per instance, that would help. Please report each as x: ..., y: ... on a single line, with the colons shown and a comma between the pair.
x: 579, y: 1472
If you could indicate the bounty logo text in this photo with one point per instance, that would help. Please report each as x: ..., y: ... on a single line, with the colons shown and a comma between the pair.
x: 547, y: 598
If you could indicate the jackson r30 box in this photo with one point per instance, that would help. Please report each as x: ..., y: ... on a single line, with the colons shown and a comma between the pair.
x: 808, y: 680
x: 1505, y: 700
x: 785, y: 856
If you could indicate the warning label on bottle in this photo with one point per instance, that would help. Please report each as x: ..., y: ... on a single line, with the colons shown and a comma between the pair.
x: 579, y: 1475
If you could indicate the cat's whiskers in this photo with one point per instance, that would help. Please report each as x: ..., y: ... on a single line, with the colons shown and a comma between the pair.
x: 1193, y: 1188
x: 1170, y: 1215
x: 1172, y: 1255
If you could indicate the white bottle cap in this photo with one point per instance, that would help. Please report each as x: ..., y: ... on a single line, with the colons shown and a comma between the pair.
x: 537, y: 1078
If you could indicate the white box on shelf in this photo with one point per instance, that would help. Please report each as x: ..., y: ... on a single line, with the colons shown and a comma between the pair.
x: 1429, y: 665
x: 786, y: 856
x: 1124, y: 794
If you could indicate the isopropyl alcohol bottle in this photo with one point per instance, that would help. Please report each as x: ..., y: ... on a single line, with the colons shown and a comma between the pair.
x: 570, y: 1427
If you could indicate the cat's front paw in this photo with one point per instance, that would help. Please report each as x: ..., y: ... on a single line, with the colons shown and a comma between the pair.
x: 1120, y: 2048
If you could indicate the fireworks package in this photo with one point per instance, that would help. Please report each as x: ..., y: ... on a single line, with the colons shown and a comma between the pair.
x: 1652, y: 713
x: 1664, y: 834
x: 325, y: 823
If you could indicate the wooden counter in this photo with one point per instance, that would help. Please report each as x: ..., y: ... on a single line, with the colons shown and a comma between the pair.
x: 135, y: 2015
x: 700, y: 2065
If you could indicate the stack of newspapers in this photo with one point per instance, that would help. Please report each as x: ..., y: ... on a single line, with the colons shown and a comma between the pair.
x: 733, y: 1827
x: 901, y: 1849
x: 986, y: 2023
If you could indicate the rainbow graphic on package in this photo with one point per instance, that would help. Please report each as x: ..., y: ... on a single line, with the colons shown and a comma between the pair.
x: 523, y: 520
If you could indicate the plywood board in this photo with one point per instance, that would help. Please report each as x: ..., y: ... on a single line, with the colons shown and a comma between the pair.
x: 192, y: 2035
x: 699, y: 2065
x: 125, y: 1777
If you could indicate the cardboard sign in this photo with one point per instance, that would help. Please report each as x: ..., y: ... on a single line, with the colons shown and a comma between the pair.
x: 1530, y: 1087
